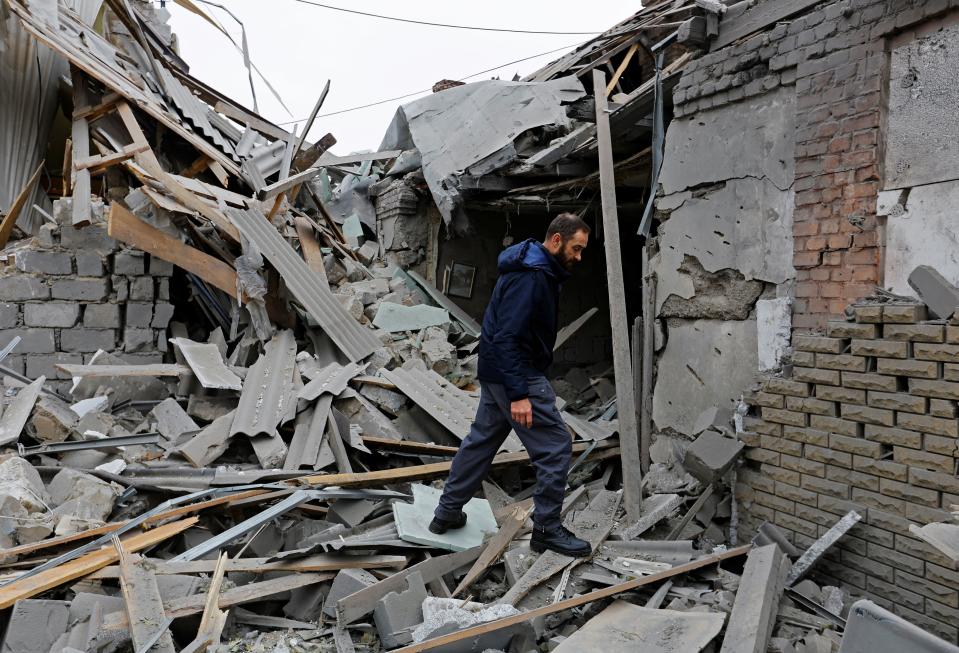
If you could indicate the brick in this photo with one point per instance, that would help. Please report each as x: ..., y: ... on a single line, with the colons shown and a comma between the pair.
x: 89, y: 265
x: 893, y: 436
x: 927, y: 424
x: 942, y: 575
x: 884, y: 468
x: 768, y: 400
x: 762, y: 456
x: 786, y: 387
x: 760, y: 426
x: 823, y: 486
x: 923, y: 459
x: 852, y: 478
x: 909, y: 493
x: 888, y: 522
x: 92, y: 238
x: 138, y: 314
x: 750, y: 439
x: 952, y: 334
x: 793, y: 493
x: 803, y: 465
x: 31, y: 260
x: 162, y: 314
x: 838, y: 393
x: 21, y: 287
x: 51, y: 314
x: 774, y: 502
x: 835, y: 425
x: 944, y: 613
x: 141, y: 289
x: 879, y: 501
x: 858, y: 446
x: 804, y: 359
x: 842, y: 362
x: 759, y: 481
x: 819, y: 344
x: 32, y: 341
x: 895, y: 594
x: 129, y: 263
x: 869, y: 382
x: 940, y: 444
x: 867, y: 415
x: 950, y: 371
x: 135, y: 340
x: 936, y: 352
x: 919, y: 513
x: 850, y: 578
x: 160, y: 268
x: 898, y: 401
x: 939, y: 389
x: 914, y: 332
x: 780, y: 474
x: 796, y: 524
x: 904, y: 313
x: 869, y: 567
x: 806, y: 435
x: 101, y: 316
x: 912, y: 368
x: 87, y: 340
x: 784, y: 417
x: 9, y: 315
x: 781, y: 445
x: 811, y: 405
x: 837, y: 329
x: 80, y: 289
x: 812, y: 375
x: 881, y: 348
x: 942, y: 408
x: 945, y: 631
x: 933, y: 480
x: 814, y: 515
x: 868, y: 314
x: 826, y: 455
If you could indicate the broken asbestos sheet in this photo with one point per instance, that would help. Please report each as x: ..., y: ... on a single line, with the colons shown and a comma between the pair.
x: 627, y: 628
x: 412, y: 520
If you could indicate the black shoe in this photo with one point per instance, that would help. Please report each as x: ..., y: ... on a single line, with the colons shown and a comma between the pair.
x: 440, y: 526
x: 560, y: 540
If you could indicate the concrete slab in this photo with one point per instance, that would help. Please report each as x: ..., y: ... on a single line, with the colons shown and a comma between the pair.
x: 171, y: 420
x: 35, y: 625
x: 412, y: 521
x: 711, y: 456
x: 627, y: 628
x: 397, y: 613
x: 757, y: 601
x: 398, y: 317
x: 347, y: 582
x: 872, y: 629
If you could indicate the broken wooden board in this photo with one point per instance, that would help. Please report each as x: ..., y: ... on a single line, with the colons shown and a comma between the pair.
x: 127, y: 228
x: 576, y: 601
x: 138, y: 585
x: 314, y: 563
x: 86, y: 564
x: 627, y: 628
x: 495, y: 546
x: 10, y: 217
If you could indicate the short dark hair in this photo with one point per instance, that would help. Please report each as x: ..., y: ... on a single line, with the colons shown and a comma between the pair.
x: 566, y: 225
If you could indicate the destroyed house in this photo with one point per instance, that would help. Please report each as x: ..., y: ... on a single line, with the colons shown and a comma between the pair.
x: 236, y: 366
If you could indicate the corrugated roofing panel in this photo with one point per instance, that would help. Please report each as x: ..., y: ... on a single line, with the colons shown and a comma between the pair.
x: 443, y: 401
x: 353, y: 339
x: 267, y: 389
x: 331, y: 379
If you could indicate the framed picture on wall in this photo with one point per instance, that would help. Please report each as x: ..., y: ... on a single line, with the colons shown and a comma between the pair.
x: 461, y: 280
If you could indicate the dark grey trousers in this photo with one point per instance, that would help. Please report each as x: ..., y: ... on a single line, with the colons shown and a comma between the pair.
x: 548, y: 443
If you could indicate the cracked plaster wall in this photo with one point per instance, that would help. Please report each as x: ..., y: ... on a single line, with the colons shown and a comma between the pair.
x: 727, y: 212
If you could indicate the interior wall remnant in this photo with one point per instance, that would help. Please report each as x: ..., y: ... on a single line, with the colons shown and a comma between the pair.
x: 773, y: 331
x: 722, y: 295
x: 922, y: 135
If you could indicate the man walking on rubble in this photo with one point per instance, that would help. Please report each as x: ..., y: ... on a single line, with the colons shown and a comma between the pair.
x: 516, y: 349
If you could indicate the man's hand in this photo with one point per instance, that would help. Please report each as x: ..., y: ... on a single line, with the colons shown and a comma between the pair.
x: 522, y: 412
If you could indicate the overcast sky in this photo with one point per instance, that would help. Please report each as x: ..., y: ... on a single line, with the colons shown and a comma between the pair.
x: 298, y: 47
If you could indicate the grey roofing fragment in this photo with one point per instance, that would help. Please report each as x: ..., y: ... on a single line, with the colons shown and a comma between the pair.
x: 399, y: 317
x: 119, y: 389
x: 446, y: 403
x: 310, y: 447
x: 210, y: 443
x: 595, y: 430
x: 331, y: 379
x: 268, y: 388
x: 207, y: 364
x: 355, y: 340
x: 172, y: 421
x: 18, y: 412
x: 470, y: 325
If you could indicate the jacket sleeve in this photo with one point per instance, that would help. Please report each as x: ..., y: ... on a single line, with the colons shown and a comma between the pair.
x: 517, y: 304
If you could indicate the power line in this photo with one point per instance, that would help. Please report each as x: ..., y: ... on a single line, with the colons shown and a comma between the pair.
x: 424, y: 22
x: 427, y: 90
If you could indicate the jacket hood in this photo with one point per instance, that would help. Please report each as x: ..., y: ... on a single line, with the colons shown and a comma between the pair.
x: 530, y: 255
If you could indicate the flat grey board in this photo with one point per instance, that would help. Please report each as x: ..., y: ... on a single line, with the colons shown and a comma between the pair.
x: 472, y: 326
x: 18, y: 412
x: 353, y: 339
x: 207, y: 364
x: 399, y: 317
x: 627, y: 628
x: 412, y: 521
x: 871, y: 629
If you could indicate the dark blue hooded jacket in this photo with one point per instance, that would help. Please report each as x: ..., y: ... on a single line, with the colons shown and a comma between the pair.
x: 519, y: 327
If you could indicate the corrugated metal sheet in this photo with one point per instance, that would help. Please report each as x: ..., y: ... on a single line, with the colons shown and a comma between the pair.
x: 588, y: 430
x: 195, y: 112
x: 267, y: 389
x: 442, y: 400
x: 309, y: 446
x: 331, y: 379
x: 353, y: 339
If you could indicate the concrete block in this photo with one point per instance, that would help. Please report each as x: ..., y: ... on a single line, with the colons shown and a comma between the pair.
x: 912, y: 368
x: 80, y: 289
x: 159, y: 267
x: 842, y: 329
x: 903, y: 313
x: 121, y: 288
x: 51, y: 314
x: 162, y: 314
x: 47, y: 235
x: 163, y: 289
x: 757, y: 601
x: 939, y: 295
x: 819, y: 344
x: 711, y: 456
x: 914, y: 332
x: 936, y: 352
x: 40, y: 262
x: 129, y: 263
x: 397, y: 612
x: 868, y: 313
x: 135, y: 340
x: 880, y: 348
x: 412, y: 521
x: 43, y: 364
x: 347, y: 581
x: 92, y: 238
x: 138, y: 314
x: 21, y: 287
x: 101, y: 316
x: 9, y: 315
x: 87, y: 340
x: 33, y: 341
x: 35, y: 625
x: 141, y: 289
x: 89, y: 265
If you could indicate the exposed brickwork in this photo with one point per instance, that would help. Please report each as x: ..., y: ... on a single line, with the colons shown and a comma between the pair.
x: 848, y: 433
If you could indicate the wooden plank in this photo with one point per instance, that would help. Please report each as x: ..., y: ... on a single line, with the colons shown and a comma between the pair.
x: 408, y: 446
x: 278, y: 187
x: 312, y: 563
x: 332, y: 160
x: 308, y: 157
x: 80, y: 137
x: 91, y: 113
x: 101, y: 162
x: 309, y: 121
x: 10, y: 218
x: 494, y: 547
x: 648, y: 345
x: 126, y: 227
x: 94, y: 371
x: 744, y: 18
x: 86, y: 564
x: 310, y: 247
x: 141, y: 594
x: 625, y: 393
x: 213, y: 619
x: 576, y: 601
x: 421, y: 472
x: 621, y: 68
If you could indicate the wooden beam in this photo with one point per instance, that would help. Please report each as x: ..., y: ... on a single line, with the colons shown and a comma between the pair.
x: 126, y: 227
x: 309, y: 121
x: 278, y: 187
x: 141, y: 595
x: 10, y: 218
x: 308, y: 157
x: 625, y: 393
x: 495, y: 546
x: 310, y: 247
x: 80, y: 205
x: 408, y: 446
x: 314, y: 563
x: 621, y: 68
x: 86, y: 564
x: 91, y: 113
x: 576, y: 601
x: 101, y: 162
